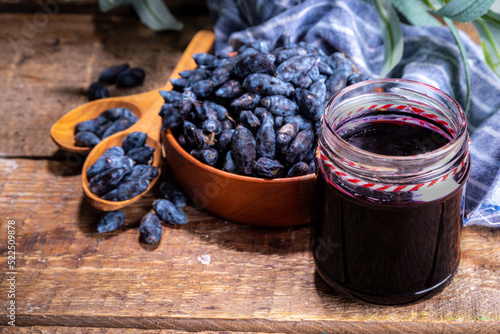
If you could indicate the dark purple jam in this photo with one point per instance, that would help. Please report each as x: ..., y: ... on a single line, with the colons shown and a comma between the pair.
x: 387, y: 251
x: 395, y: 138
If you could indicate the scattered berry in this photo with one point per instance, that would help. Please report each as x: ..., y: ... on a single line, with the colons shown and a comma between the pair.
x: 173, y: 193
x: 150, y: 228
x: 131, y: 77
x: 108, y: 75
x: 169, y: 213
x: 97, y: 91
x: 110, y: 221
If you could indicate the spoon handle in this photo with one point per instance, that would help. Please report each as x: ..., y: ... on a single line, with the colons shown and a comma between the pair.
x: 150, y: 121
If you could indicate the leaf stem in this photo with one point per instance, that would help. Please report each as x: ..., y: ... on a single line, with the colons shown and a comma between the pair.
x: 490, y: 36
x: 387, y: 23
x: 430, y: 5
x: 463, y: 54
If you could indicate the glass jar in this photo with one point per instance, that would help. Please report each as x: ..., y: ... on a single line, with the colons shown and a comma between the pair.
x: 392, y: 162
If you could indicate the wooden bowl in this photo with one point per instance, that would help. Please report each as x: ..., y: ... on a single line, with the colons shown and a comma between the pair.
x: 242, y: 199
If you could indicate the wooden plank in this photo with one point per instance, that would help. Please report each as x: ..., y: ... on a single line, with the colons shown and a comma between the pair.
x: 257, y: 279
x: 100, y: 330
x: 264, y: 326
x: 48, y: 69
x: 95, y: 330
x: 50, y: 6
x: 186, y: 7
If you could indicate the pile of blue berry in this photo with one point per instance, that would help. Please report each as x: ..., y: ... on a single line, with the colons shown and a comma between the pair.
x: 123, y: 172
x: 256, y: 113
x: 121, y: 75
x: 168, y: 209
x: 90, y: 133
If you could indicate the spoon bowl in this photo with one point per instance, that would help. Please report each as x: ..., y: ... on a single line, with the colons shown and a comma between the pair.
x: 63, y: 131
x: 116, y: 140
x: 149, y: 122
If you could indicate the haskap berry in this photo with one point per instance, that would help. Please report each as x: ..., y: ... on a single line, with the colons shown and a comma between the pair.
x: 89, y: 133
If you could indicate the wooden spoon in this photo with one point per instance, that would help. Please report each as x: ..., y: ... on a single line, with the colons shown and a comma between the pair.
x: 145, y: 106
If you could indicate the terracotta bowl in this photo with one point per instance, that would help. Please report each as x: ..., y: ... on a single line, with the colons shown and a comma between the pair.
x: 241, y: 199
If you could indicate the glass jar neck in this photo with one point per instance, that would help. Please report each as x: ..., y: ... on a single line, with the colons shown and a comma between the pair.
x: 399, y: 102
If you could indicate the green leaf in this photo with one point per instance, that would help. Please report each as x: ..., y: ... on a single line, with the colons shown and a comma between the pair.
x: 155, y: 15
x: 463, y: 54
x: 465, y: 10
x: 488, y: 28
x: 106, y: 5
x: 415, y: 13
x: 393, y: 37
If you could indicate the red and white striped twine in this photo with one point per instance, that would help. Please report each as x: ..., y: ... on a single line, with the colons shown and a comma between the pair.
x: 385, y: 187
x: 380, y: 186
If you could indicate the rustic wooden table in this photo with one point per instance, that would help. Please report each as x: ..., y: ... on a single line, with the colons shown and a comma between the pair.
x: 209, y: 275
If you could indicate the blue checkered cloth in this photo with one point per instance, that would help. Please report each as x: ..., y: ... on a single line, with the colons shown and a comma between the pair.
x: 430, y: 56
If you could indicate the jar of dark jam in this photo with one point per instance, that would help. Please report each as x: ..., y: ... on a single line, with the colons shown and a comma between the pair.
x: 392, y: 162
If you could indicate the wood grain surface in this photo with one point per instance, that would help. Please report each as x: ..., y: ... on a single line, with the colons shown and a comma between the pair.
x: 47, y: 70
x: 207, y: 276
x: 177, y: 7
x: 256, y: 280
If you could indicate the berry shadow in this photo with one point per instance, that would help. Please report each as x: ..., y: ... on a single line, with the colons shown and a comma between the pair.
x: 148, y: 247
x: 66, y: 164
x: 88, y: 217
x: 72, y: 92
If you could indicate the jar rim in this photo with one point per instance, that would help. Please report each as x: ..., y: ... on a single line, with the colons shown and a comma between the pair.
x: 458, y: 136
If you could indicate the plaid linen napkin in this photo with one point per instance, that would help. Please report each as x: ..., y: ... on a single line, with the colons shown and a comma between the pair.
x: 430, y: 56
